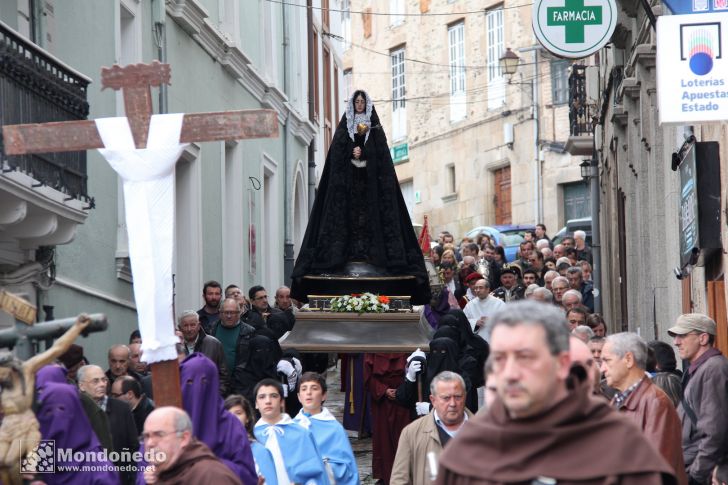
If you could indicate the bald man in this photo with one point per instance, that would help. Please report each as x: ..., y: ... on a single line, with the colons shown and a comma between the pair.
x: 175, y: 455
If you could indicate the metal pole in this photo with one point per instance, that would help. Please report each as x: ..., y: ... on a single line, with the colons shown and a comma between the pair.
x: 596, y: 245
x: 159, y: 31
x: 289, y: 184
x: 311, y: 108
x: 536, y: 145
x: 537, y: 208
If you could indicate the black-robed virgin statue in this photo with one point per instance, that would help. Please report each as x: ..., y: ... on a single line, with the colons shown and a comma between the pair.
x: 359, y: 226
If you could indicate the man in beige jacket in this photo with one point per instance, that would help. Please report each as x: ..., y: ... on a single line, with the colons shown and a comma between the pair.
x: 422, y: 441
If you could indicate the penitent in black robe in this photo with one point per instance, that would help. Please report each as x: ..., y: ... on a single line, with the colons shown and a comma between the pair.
x: 359, y: 214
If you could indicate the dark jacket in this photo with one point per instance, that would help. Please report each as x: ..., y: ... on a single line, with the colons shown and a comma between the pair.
x: 584, y: 254
x: 241, y: 349
x: 99, y: 421
x: 211, y: 348
x: 123, y: 433
x: 144, y: 381
x: 255, y: 318
x: 705, y: 441
x: 140, y: 413
x: 587, y: 295
x: 197, y: 464
x: 207, y: 320
x: 517, y: 293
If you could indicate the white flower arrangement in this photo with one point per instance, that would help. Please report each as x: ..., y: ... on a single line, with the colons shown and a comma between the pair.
x: 360, y: 303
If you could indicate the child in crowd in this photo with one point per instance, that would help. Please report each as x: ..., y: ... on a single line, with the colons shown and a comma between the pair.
x: 329, y: 434
x: 295, y: 454
x: 243, y: 410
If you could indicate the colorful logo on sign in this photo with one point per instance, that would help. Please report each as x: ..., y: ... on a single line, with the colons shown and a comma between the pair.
x: 720, y: 4
x: 700, y: 45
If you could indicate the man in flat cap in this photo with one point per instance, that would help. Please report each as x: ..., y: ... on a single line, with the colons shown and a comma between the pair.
x: 705, y: 396
x: 510, y: 289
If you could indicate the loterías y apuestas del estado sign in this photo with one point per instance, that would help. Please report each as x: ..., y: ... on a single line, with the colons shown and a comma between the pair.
x: 692, y: 72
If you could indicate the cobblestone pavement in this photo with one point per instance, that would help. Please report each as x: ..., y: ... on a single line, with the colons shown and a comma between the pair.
x: 362, y: 447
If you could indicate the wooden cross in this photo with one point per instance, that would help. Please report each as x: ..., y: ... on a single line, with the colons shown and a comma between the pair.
x: 135, y: 82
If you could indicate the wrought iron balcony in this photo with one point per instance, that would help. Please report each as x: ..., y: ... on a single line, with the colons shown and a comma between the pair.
x: 37, y: 88
x: 581, y: 114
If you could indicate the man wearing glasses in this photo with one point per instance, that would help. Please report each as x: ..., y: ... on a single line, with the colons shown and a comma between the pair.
x: 233, y: 333
x: 260, y: 309
x: 93, y: 382
x: 705, y: 399
x: 175, y: 456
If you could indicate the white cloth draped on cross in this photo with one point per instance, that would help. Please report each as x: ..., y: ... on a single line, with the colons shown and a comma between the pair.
x: 149, y: 193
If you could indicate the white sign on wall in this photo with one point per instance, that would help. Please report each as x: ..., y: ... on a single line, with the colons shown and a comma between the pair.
x: 692, y: 72
x: 574, y: 28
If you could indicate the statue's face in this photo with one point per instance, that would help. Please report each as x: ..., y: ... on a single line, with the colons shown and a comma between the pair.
x: 6, y: 379
x: 360, y: 104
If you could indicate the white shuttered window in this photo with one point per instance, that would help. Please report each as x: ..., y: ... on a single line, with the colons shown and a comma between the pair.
x: 496, y: 48
x: 456, y: 49
x: 399, y: 112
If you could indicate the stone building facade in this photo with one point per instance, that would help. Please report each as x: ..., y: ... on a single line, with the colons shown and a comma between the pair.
x: 640, y: 192
x: 462, y: 132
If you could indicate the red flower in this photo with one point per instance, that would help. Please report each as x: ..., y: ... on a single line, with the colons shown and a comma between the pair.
x: 383, y: 299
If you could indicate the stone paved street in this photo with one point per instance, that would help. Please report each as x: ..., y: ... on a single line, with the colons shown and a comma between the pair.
x: 362, y: 447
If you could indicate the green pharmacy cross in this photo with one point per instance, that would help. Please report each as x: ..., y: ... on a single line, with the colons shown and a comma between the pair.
x: 574, y: 16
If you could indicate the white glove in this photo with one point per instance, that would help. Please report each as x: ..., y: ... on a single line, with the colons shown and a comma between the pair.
x: 413, y: 369
x: 285, y: 367
x: 416, y: 353
x: 297, y: 365
x: 422, y: 408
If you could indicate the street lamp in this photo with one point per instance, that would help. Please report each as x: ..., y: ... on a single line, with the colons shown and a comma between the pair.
x: 585, y: 167
x: 509, y: 62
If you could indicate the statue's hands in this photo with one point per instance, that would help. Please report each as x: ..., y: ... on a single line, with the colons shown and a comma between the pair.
x: 82, y: 322
x: 357, y: 152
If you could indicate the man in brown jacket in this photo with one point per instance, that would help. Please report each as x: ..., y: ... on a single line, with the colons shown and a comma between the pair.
x: 427, y: 435
x: 545, y: 427
x: 705, y: 396
x: 175, y: 456
x: 624, y: 359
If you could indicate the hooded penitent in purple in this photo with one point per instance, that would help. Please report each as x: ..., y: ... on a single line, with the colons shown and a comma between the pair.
x: 433, y: 314
x: 63, y: 420
x: 211, y: 423
x: 47, y: 374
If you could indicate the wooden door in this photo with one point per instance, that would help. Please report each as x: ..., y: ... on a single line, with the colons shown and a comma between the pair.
x: 717, y: 311
x: 502, y: 198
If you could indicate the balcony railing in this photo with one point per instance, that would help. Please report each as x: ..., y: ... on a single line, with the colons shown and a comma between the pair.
x: 581, y: 114
x: 37, y: 88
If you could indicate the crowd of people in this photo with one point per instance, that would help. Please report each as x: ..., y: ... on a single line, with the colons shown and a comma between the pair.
x: 520, y: 384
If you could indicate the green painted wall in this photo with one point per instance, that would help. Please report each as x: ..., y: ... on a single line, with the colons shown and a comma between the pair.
x: 84, y: 39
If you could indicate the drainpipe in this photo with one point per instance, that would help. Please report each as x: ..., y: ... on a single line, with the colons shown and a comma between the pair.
x: 311, y: 110
x: 159, y: 31
x: 536, y: 143
x: 596, y: 240
x: 288, y: 259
